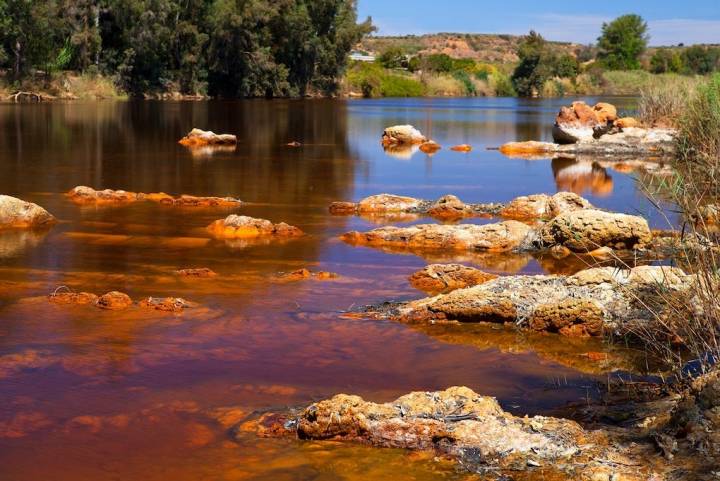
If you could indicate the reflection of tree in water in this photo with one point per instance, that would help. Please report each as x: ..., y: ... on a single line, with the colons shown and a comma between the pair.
x: 133, y: 146
x: 581, y: 177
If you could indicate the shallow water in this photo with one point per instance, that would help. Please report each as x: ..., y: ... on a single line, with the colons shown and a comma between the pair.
x: 93, y: 395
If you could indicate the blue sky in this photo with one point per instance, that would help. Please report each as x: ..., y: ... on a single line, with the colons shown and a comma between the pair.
x: 670, y: 22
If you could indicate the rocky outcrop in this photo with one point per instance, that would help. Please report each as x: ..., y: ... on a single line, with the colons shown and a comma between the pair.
x: 243, y: 227
x: 444, y: 278
x: 18, y: 214
x: 402, y: 134
x: 462, y: 425
x: 87, y: 195
x: 543, y: 206
x: 588, y: 303
x: 580, y: 231
x: 499, y: 237
x: 450, y: 207
x: 576, y: 123
x: 589, y: 229
x: 201, y: 138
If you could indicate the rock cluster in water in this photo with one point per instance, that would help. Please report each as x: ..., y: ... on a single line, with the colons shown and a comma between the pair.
x: 443, y: 278
x: 118, y: 301
x: 19, y: 214
x: 87, y: 195
x: 243, y: 227
x: 588, y: 303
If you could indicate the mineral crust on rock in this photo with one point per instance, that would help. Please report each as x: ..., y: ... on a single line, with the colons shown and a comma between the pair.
x: 241, y: 227
x: 18, y: 214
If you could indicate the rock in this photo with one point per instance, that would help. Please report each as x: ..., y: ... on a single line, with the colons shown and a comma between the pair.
x: 294, y: 143
x: 498, y: 237
x: 343, y: 208
x: 588, y: 229
x: 585, y: 304
x: 201, y: 272
x: 461, y: 148
x: 542, y: 206
x: 456, y: 422
x: 114, y: 301
x: 68, y: 297
x: 627, y: 122
x: 443, y: 278
x: 240, y: 226
x: 18, y: 214
x: 169, y: 304
x: 402, y: 134
x: 575, y: 123
x: 301, y: 274
x: 449, y: 207
x: 606, y: 113
x: 87, y: 195
x: 430, y: 147
x: 387, y: 203
x: 528, y: 149
x: 199, y: 138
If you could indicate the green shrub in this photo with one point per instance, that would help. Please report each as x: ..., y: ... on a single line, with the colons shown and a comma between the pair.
x: 400, y: 86
x: 502, y: 85
x: 463, y: 77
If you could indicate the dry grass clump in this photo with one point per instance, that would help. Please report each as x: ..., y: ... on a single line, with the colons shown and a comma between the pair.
x: 441, y: 85
x: 663, y: 105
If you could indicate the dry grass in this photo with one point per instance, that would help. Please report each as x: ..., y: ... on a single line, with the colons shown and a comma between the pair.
x: 443, y: 86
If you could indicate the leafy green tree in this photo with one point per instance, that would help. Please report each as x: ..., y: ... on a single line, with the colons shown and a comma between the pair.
x: 535, y: 67
x: 665, y: 60
x: 566, y: 66
x: 701, y: 60
x: 82, y: 22
x: 392, y: 57
x: 622, y: 42
x: 438, y: 62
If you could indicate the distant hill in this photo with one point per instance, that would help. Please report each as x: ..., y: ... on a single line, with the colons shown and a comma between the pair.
x: 480, y: 47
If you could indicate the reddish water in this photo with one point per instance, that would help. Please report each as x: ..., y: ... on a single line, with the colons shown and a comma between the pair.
x: 93, y: 395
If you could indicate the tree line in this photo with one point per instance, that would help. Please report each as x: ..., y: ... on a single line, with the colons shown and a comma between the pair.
x: 226, y: 48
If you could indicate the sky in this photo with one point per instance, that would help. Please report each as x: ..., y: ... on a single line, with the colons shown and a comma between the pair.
x: 669, y: 22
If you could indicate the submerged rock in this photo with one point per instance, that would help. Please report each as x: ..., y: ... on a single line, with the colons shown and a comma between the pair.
x: 202, y: 272
x: 449, y: 207
x: 19, y: 214
x: 430, y: 147
x: 114, y: 301
x: 87, y: 195
x: 241, y: 226
x: 170, y: 304
x: 498, y: 237
x: 387, y: 203
x: 443, y: 278
x: 461, y: 148
x: 588, y: 303
x: 402, y: 134
x: 199, y: 138
x: 301, y: 274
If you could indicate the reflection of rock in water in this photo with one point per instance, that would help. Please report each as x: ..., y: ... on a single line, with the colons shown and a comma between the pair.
x: 14, y: 242
x: 581, y: 177
x: 401, y: 151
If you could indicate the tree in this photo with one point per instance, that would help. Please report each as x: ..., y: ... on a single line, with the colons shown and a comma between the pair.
x: 82, y: 21
x: 665, y: 60
x: 701, y: 60
x: 392, y: 57
x: 622, y: 42
x: 535, y: 67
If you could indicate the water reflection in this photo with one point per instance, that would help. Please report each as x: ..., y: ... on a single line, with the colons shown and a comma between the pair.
x: 582, y: 177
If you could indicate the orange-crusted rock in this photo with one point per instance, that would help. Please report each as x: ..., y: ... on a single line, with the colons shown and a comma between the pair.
x: 430, y: 147
x: 402, y: 134
x: 584, y: 304
x: 300, y: 274
x: 575, y: 123
x: 588, y: 229
x: 499, y: 237
x: 542, y: 206
x: 18, y: 214
x: 461, y: 148
x: 114, y: 301
x: 387, y: 203
x: 529, y: 149
x: 199, y: 138
x: 241, y: 226
x: 605, y: 112
x: 443, y: 278
x: 343, y: 208
x: 87, y: 195
x: 449, y: 207
x: 68, y: 297
x: 627, y: 122
x: 202, y: 272
x: 169, y: 304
